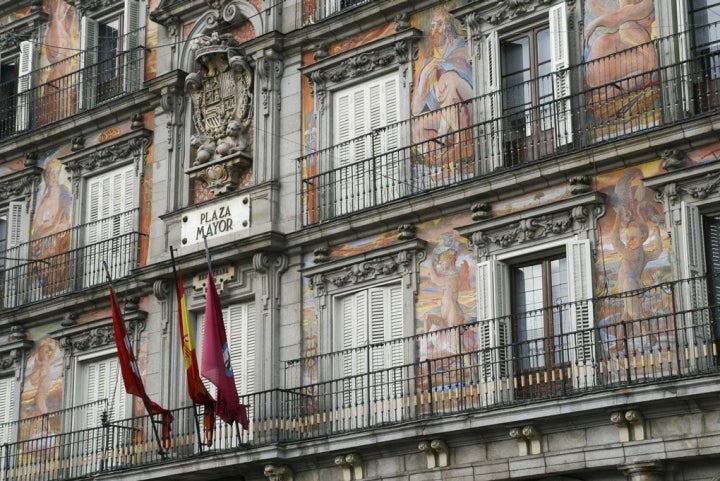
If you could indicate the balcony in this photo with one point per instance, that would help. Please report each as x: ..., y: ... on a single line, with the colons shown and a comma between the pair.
x: 510, y: 128
x: 328, y: 8
x: 446, y: 373
x: 68, y: 87
x: 70, y: 261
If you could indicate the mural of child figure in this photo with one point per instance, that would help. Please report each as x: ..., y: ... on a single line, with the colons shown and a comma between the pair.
x: 451, y: 279
x: 634, y: 256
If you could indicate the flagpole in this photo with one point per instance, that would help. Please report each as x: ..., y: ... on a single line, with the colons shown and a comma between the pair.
x: 195, y: 413
x: 161, y: 450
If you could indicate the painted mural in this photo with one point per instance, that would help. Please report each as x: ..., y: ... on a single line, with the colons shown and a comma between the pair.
x: 50, y: 228
x: 442, y: 81
x: 633, y: 315
x: 621, y: 78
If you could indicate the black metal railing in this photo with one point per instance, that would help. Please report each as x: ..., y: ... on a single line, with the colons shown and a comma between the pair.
x: 434, y: 374
x: 328, y: 8
x: 71, y: 260
x: 70, y: 86
x: 508, y: 128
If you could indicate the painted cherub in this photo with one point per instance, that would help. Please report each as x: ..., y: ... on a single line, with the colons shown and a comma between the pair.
x: 634, y: 257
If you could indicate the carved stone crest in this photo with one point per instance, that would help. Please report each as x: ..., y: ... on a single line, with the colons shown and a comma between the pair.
x: 221, y: 93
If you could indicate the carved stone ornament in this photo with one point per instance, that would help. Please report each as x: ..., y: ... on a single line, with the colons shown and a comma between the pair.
x: 276, y: 472
x: 79, y: 338
x: 221, y: 93
x: 19, y: 185
x: 510, y: 9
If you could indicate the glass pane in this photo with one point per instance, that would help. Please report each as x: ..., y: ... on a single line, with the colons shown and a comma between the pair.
x: 530, y: 323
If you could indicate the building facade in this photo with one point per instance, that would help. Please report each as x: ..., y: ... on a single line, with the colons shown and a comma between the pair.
x: 453, y: 240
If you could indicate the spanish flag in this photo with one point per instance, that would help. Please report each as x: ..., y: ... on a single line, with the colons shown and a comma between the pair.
x: 196, y: 388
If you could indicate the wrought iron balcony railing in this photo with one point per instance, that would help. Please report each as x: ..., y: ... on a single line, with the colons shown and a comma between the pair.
x: 435, y: 374
x: 70, y: 86
x: 509, y: 128
x: 71, y: 260
x: 328, y: 8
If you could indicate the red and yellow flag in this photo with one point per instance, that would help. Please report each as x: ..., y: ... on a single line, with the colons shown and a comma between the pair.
x: 196, y: 388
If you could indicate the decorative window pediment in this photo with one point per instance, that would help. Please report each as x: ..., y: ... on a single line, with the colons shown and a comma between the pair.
x: 570, y: 216
x: 19, y: 184
x: 373, y: 58
x: 131, y: 147
x: 398, y: 260
x: 698, y: 185
x: 25, y: 28
x: 12, y: 355
x: 96, y: 335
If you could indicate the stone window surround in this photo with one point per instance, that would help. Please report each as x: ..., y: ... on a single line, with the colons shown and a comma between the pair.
x: 397, y: 262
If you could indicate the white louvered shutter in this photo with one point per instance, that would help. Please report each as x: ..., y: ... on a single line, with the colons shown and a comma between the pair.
x: 494, y: 330
x: 26, y: 63
x: 560, y: 59
x: 103, y: 381
x: 240, y: 326
x: 493, y: 102
x: 134, y: 55
x: 109, y: 216
x: 16, y: 270
x: 582, y: 344
x: 87, y: 93
x: 7, y: 411
x: 695, y: 296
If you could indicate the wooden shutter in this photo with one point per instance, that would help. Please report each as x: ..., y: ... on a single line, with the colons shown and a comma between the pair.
x: 87, y: 90
x: 494, y: 329
x: 110, y: 203
x: 18, y: 230
x: 240, y: 324
x: 7, y: 411
x: 26, y: 63
x: 103, y: 381
x: 694, y: 295
x: 134, y: 56
x: 560, y: 59
x: 493, y: 102
x: 354, y: 332
x: 582, y: 344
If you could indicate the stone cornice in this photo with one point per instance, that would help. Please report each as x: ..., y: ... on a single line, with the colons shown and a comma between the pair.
x: 95, y: 335
x: 380, y: 55
x: 392, y: 261
x: 556, y: 219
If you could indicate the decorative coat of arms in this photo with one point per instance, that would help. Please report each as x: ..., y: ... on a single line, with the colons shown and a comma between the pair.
x: 221, y: 93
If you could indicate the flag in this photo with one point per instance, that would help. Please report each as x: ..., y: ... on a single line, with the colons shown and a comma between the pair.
x: 131, y: 373
x: 196, y: 389
x: 216, y: 365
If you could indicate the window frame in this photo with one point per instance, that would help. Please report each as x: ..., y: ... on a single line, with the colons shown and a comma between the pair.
x: 13, y: 358
x: 128, y: 69
x: 562, y: 226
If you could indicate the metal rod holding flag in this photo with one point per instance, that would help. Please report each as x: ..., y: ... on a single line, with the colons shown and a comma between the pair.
x: 131, y: 374
x: 196, y: 389
x: 216, y: 364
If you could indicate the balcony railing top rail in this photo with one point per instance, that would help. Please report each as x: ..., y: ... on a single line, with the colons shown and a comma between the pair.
x: 436, y: 374
x: 71, y: 260
x: 510, y: 127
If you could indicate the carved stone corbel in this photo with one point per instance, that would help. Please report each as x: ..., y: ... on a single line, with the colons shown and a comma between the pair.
x: 276, y: 472
x: 436, y: 453
x: 351, y: 465
x: 528, y: 439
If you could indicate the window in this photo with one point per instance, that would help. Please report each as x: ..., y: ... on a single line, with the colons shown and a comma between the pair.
x: 366, y: 174
x: 704, y: 17
x: 109, y: 224
x: 111, y: 60
x: 15, y: 82
x: 100, y: 380
x: 241, y: 331
x: 366, y: 322
x: 529, y: 91
x: 14, y: 233
x: 7, y: 408
x: 528, y: 339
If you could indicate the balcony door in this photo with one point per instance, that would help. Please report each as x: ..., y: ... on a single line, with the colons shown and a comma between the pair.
x: 542, y: 326
x: 529, y: 91
x: 367, y: 322
x: 366, y: 169
x: 704, y: 18
x: 109, y: 223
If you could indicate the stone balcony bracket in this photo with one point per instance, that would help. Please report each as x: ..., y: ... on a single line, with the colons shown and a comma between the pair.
x: 630, y: 424
x: 352, y: 466
x: 276, y: 472
x: 436, y: 453
x: 528, y: 439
